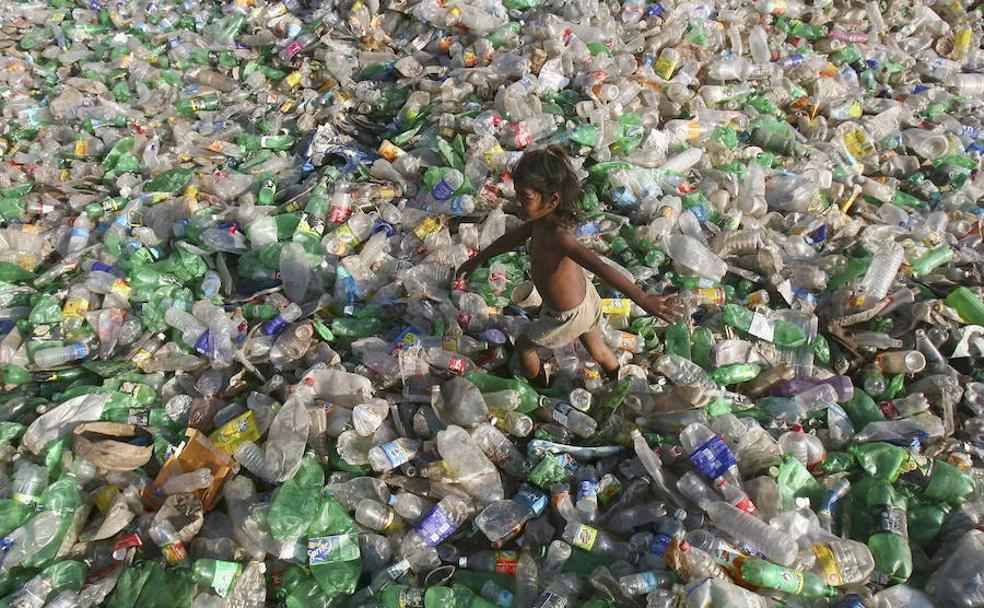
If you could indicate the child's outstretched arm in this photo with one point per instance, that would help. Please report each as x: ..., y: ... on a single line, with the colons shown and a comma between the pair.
x: 660, y: 306
x: 506, y: 242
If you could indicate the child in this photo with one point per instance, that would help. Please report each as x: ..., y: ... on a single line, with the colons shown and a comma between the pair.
x: 548, y: 195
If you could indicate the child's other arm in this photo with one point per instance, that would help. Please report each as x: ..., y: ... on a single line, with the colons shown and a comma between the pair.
x: 659, y: 306
x: 506, y: 242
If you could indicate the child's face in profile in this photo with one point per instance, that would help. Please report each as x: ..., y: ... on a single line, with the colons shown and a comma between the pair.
x: 533, y: 206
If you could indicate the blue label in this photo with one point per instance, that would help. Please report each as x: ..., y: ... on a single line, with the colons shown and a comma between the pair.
x: 442, y: 190
x: 623, y: 196
x: 587, y: 489
x: 713, y: 458
x: 535, y: 500
x: 660, y: 544
x: 204, y: 344
x: 655, y: 10
x: 437, y: 526
x: 274, y: 326
x: 456, y: 206
x: 102, y: 267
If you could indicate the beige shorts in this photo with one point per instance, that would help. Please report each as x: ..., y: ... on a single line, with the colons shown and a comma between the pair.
x: 555, y: 329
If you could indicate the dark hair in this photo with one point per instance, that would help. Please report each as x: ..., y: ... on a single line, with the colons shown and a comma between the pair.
x: 548, y: 171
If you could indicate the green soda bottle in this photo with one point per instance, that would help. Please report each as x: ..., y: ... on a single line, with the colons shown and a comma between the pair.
x: 677, y: 340
x: 761, y: 573
x: 702, y: 341
x: 932, y: 259
x: 862, y: 409
x: 889, y: 538
x: 781, y: 333
x: 735, y: 373
x: 217, y: 574
x: 487, y: 383
x: 967, y: 304
x: 296, y: 501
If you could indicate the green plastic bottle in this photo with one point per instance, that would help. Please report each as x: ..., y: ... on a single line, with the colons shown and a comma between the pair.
x: 889, y: 537
x: 929, y: 261
x: 967, y: 304
x: 296, y: 501
x: 677, y: 340
x: 781, y: 333
x: 761, y: 573
x: 529, y: 400
x: 735, y: 373
x: 217, y: 574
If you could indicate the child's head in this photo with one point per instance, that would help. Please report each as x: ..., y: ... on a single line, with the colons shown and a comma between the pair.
x: 545, y: 183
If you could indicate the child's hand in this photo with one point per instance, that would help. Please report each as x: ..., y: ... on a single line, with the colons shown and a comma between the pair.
x: 664, y: 307
x: 470, y: 266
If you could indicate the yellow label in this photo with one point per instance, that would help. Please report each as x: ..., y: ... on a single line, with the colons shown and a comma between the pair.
x: 828, y: 563
x: 64, y: 175
x: 616, y: 306
x: 286, y: 106
x: 627, y: 341
x: 427, y: 226
x: 105, y: 497
x: 232, y: 434
x: 489, y: 155
x: 961, y: 43
x: 293, y: 79
x: 585, y: 537
x: 664, y: 67
x: 74, y: 308
x: 121, y: 288
x: 345, y: 236
x: 81, y: 146
x: 858, y: 144
x: 389, y: 151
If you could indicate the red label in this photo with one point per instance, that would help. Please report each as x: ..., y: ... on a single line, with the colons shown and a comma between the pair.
x: 339, y: 214
x: 505, y: 562
x: 293, y: 48
x: 889, y: 410
x: 130, y: 540
x: 746, y: 505
x: 521, y: 135
x: 456, y: 366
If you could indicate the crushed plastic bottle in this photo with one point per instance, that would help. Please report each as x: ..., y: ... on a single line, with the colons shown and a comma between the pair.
x: 239, y: 368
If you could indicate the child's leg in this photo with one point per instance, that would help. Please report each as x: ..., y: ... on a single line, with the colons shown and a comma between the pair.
x: 528, y: 358
x: 599, y: 351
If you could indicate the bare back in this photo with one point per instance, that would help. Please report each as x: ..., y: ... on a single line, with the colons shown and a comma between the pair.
x: 559, y: 279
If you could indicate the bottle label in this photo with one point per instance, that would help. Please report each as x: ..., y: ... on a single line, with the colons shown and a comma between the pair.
x: 560, y: 412
x: 203, y: 345
x: 174, y: 553
x: 713, y: 458
x: 395, y: 453
x: 232, y: 434
x: 660, y: 544
x: 456, y: 366
x: 790, y: 581
x: 339, y: 214
x: 891, y: 520
x: 437, y: 526
x: 585, y: 537
x: 293, y: 48
x: 762, y: 327
x: 521, y: 135
x: 412, y: 597
x: 75, y: 307
x: 832, y: 574
x: 138, y: 417
x: 533, y: 499
x: 345, y: 237
x: 587, y: 489
x: 616, y: 306
x: 649, y: 578
x: 627, y: 341
x: 889, y: 410
x: 746, y: 505
x: 442, y: 190
x: 225, y: 574
x: 505, y: 561
x: 328, y: 549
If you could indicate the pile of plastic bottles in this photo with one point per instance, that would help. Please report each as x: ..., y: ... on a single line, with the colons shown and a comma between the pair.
x: 238, y: 371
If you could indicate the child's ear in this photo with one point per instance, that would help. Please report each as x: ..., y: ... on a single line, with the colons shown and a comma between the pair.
x: 554, y: 200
